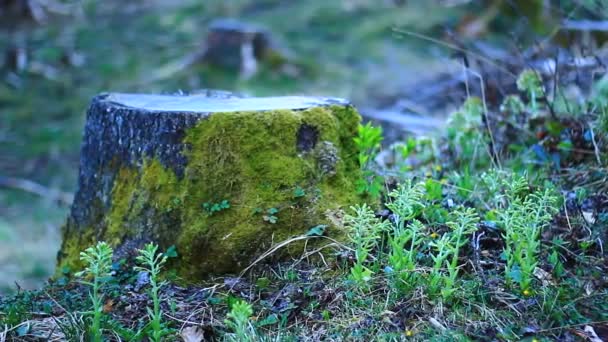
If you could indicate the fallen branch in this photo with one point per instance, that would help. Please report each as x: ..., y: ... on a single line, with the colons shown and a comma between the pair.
x: 63, y: 198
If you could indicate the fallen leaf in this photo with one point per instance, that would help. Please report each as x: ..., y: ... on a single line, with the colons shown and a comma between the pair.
x: 589, y: 217
x: 192, y: 334
x: 591, y: 335
x: 108, y: 306
x: 589, y: 288
x: 543, y: 276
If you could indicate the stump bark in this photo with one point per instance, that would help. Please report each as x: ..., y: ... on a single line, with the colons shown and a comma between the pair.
x: 219, y: 177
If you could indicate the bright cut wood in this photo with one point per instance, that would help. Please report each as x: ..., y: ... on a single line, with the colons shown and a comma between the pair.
x: 202, y: 103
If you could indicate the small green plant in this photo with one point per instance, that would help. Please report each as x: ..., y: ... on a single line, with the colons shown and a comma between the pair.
x: 465, y: 136
x: 404, y: 247
x: 270, y: 216
x: 212, y: 208
x: 239, y: 321
x: 444, y: 271
x: 152, y: 262
x: 365, y: 230
x: 98, y: 261
x: 299, y: 192
x: 368, y: 144
x: 465, y: 223
x: 523, y: 220
x: 406, y: 204
x: 512, y: 104
x: 531, y: 83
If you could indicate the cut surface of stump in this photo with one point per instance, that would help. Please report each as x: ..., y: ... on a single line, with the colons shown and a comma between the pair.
x: 220, y: 178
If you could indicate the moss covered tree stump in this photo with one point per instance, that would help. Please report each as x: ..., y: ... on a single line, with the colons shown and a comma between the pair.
x: 220, y: 178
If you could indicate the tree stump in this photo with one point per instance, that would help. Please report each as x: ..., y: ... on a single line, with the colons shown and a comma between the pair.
x: 220, y: 178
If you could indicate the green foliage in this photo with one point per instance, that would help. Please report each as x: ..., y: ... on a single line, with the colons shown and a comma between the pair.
x: 17, y: 312
x: 404, y: 246
x: 98, y: 265
x: 531, y: 83
x: 467, y: 143
x: 271, y: 215
x: 368, y: 141
x: 238, y: 320
x: 364, y: 231
x: 299, y: 192
x: 406, y: 200
x: 523, y: 219
x: 152, y: 262
x: 512, y: 104
x: 212, y: 208
x: 406, y: 203
x: 448, y: 250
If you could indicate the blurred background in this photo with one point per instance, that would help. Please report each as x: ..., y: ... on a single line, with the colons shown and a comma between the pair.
x: 400, y: 62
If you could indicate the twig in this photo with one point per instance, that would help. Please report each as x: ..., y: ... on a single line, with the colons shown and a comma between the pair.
x: 283, y: 244
x: 595, y: 148
x: 63, y: 198
x: 456, y: 48
x: 570, y: 326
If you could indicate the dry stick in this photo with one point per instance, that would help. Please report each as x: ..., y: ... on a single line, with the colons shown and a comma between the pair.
x: 197, y: 309
x: 495, y: 158
x: 456, y: 48
x: 64, y: 198
x: 570, y: 326
x: 476, y: 55
x: 595, y: 148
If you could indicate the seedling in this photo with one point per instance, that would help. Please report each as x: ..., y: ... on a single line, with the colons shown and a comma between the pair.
x: 98, y: 261
x: 523, y: 220
x: 270, y: 216
x: 152, y: 263
x: 530, y: 82
x: 365, y: 230
x: 299, y: 192
x: 212, y: 208
x: 239, y: 321
x: 368, y: 143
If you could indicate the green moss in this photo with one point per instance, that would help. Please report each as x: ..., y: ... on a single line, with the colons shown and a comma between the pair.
x: 250, y: 159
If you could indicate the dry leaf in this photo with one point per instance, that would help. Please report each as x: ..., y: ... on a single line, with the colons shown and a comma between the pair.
x: 589, y: 217
x: 591, y: 335
x: 589, y: 288
x: 192, y: 334
x: 108, y: 306
x: 543, y: 276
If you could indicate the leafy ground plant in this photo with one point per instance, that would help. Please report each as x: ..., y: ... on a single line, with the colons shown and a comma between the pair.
x: 98, y: 265
x: 238, y: 319
x: 523, y: 220
x: 365, y: 231
x: 368, y: 143
x: 151, y: 263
